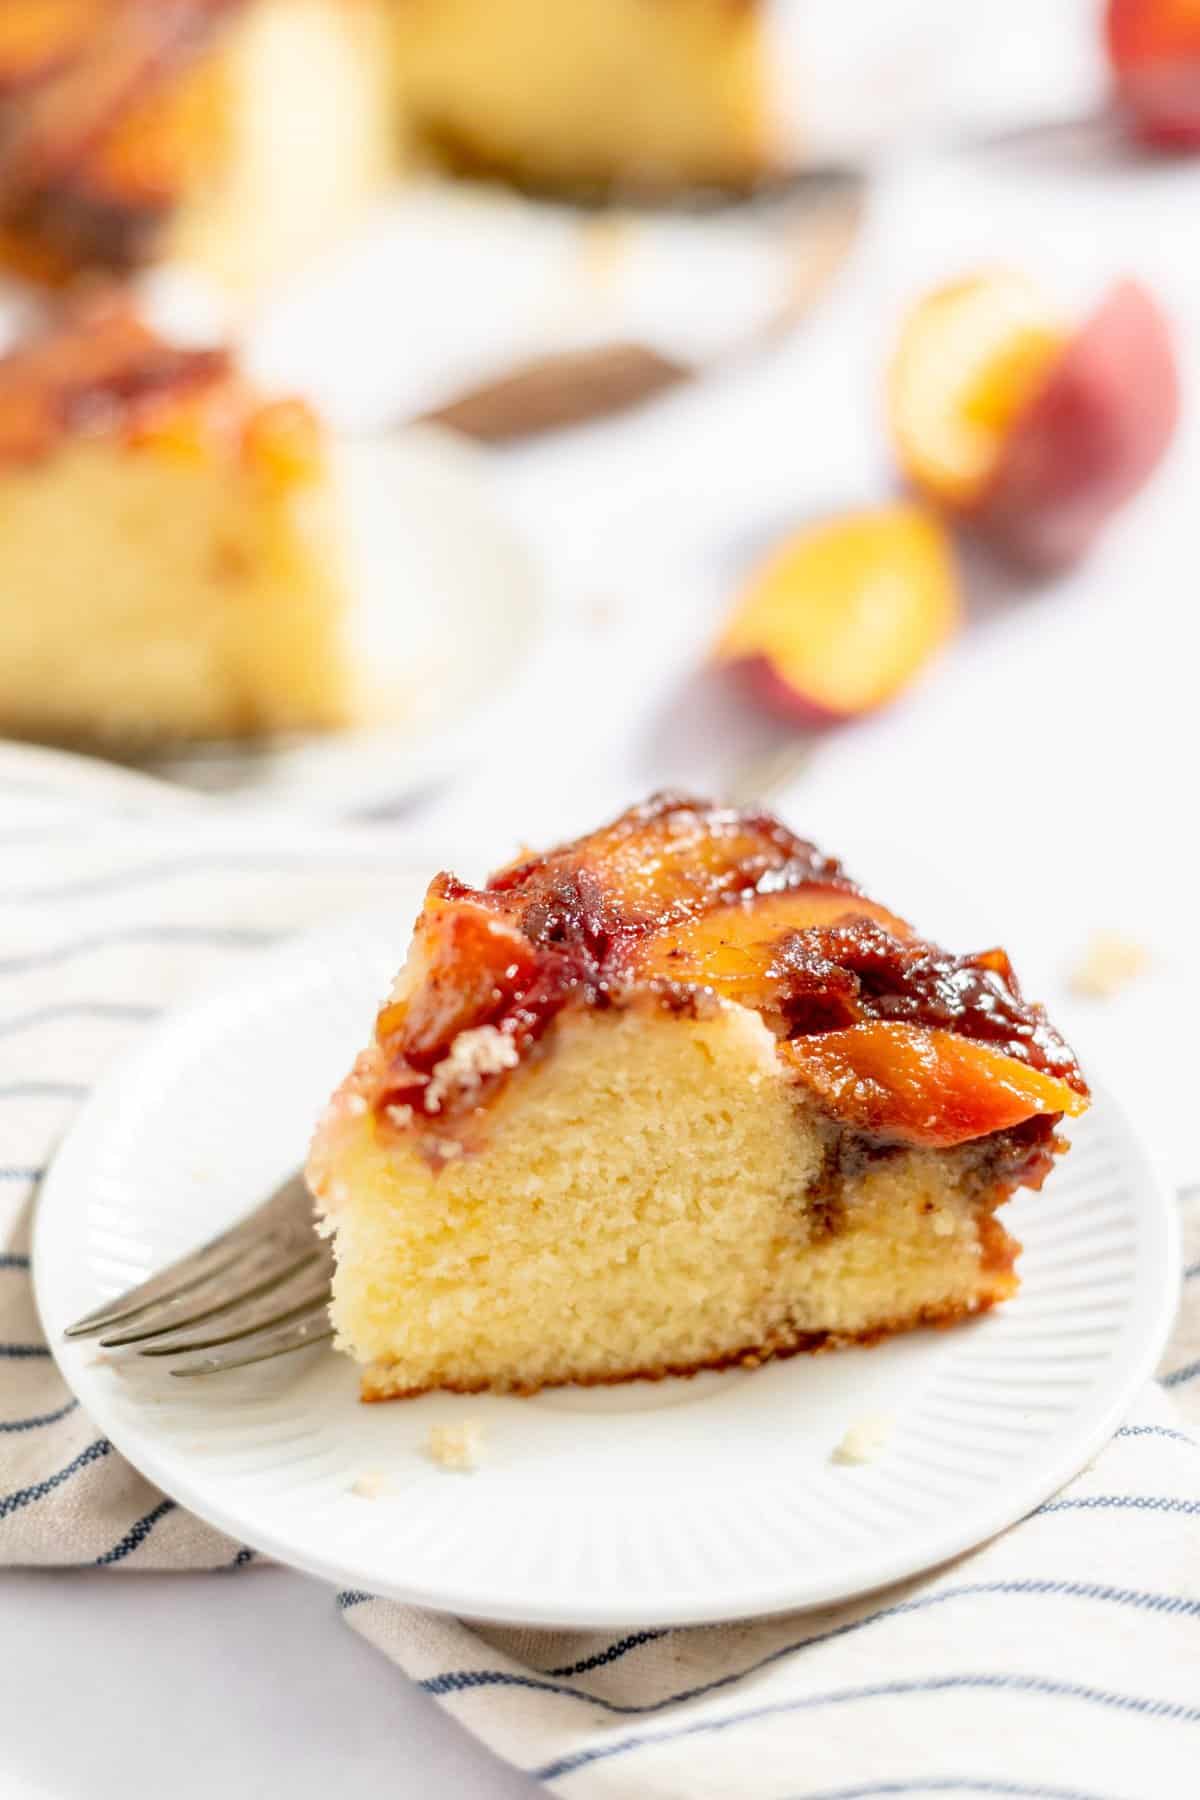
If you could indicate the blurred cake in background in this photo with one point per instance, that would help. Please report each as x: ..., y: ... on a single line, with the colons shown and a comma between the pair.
x: 646, y: 95
x: 237, y: 135
x: 171, y: 556
x: 241, y: 135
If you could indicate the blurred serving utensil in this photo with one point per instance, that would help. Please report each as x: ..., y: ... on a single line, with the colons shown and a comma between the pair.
x: 810, y: 224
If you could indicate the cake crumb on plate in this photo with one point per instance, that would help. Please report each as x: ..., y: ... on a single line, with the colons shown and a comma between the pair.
x: 1110, y: 961
x: 863, y: 1441
x: 456, y: 1446
x: 369, y: 1485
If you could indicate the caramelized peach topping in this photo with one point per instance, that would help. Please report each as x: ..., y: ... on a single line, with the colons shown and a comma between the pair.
x: 37, y: 36
x: 690, y: 905
x: 283, y: 441
x: 924, y: 1085
x: 108, y: 109
x: 99, y: 370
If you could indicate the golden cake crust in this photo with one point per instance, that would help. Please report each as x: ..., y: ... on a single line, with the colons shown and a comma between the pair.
x: 377, y: 1386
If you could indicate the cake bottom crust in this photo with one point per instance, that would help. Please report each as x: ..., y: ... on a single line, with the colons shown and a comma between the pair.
x: 378, y: 1382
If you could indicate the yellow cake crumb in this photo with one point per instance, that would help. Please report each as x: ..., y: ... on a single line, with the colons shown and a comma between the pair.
x: 1110, y: 961
x: 864, y: 1440
x: 456, y: 1447
x: 474, y: 1055
x: 369, y: 1485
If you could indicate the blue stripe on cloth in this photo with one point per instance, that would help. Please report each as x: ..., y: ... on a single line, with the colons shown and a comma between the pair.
x: 50, y: 1418
x: 613, y: 1653
x: 463, y: 1680
x: 1177, y: 1377
x: 949, y: 1784
x: 1166, y: 1431
x: 352, y: 1597
x: 22, y: 1352
x: 12, y: 1259
x: 1191, y: 1272
x: 11, y: 1503
x: 245, y: 1555
x: 1040, y: 1686
x: 237, y: 936
x: 1120, y: 1502
x: 77, y: 1009
x: 248, y: 862
x: 43, y: 1090
x: 21, y: 1172
x: 137, y: 1534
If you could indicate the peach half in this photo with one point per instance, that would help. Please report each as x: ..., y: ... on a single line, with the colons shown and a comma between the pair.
x: 1031, y: 432
x: 845, y: 614
x: 970, y: 355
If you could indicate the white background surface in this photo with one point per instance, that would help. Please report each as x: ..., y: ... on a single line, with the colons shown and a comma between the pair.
x: 1053, y: 755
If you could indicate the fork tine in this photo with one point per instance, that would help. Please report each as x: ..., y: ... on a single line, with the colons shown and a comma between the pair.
x: 279, y: 1307
x: 251, y: 1277
x: 288, y: 1211
x: 165, y: 1285
x: 312, y: 1327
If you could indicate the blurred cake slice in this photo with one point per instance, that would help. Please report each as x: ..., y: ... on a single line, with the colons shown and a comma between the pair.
x: 239, y: 136
x: 675, y: 1096
x: 171, y: 550
x: 594, y: 94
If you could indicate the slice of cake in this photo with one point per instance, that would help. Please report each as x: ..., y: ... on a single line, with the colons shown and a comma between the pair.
x: 675, y: 1096
x: 169, y: 544
x: 631, y: 94
x: 239, y: 136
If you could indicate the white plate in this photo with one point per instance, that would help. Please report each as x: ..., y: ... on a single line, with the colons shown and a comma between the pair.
x: 677, y: 1502
x: 457, y: 603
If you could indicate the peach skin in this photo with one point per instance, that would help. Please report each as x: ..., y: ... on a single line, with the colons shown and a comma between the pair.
x: 845, y: 614
x: 1154, y: 51
x: 1090, y: 437
x: 1032, y: 432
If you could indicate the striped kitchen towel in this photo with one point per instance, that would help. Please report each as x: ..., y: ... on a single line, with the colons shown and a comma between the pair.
x: 1062, y: 1659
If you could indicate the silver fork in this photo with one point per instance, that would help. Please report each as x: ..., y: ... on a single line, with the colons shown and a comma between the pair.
x: 261, y: 1289
x: 257, y: 1291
